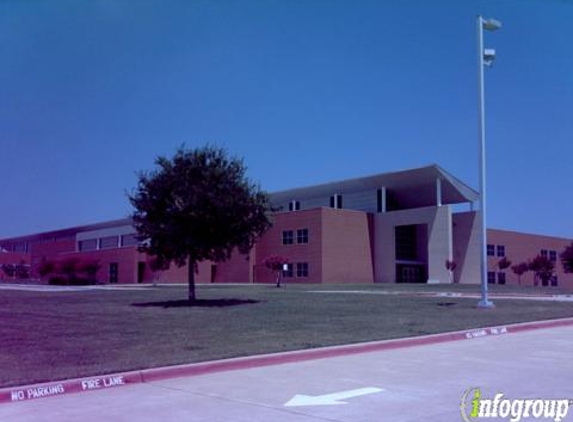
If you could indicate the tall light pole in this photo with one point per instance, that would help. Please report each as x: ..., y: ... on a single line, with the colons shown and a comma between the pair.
x: 485, y: 58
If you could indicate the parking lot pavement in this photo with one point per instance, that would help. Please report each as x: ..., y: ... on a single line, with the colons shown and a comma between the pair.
x: 422, y: 383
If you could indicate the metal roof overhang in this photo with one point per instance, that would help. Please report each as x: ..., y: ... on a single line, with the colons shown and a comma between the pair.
x: 411, y: 188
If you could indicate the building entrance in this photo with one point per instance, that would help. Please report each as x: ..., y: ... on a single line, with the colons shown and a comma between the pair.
x: 410, y: 273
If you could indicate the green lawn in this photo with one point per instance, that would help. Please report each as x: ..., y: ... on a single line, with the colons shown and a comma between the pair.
x: 50, y: 336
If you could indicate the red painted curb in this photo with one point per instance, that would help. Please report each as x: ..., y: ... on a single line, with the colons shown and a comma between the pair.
x: 31, y: 392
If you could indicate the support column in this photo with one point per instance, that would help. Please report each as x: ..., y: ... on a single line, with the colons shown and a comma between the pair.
x: 382, y: 199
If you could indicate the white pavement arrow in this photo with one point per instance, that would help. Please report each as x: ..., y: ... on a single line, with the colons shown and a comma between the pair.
x: 327, y: 399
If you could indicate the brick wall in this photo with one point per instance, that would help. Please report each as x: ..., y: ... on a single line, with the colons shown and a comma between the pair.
x: 346, y: 247
x: 311, y: 253
x: 520, y: 247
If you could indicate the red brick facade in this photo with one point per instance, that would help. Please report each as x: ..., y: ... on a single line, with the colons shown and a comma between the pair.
x: 324, y: 245
x: 522, y: 247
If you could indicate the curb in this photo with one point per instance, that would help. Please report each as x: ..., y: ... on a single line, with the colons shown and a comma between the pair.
x: 80, y: 385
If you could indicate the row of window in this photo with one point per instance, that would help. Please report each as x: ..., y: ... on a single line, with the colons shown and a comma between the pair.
x: 24, y: 246
x: 499, y: 277
x: 301, y: 270
x: 493, y: 250
x: 384, y: 202
x: 499, y: 250
x: 289, y: 238
x: 552, y: 255
x: 336, y: 202
x: 107, y: 242
x: 491, y: 277
x: 294, y: 206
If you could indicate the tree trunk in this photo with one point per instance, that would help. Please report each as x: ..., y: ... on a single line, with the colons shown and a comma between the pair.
x: 191, y: 279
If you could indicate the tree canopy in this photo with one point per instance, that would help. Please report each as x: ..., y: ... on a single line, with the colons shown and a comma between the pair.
x: 567, y: 259
x: 543, y: 268
x: 198, y: 205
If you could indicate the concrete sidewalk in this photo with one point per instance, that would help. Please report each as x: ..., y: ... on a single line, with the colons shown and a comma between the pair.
x: 417, y: 383
x: 455, y: 295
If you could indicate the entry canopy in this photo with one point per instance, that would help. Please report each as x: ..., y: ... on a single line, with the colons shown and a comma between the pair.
x: 411, y: 188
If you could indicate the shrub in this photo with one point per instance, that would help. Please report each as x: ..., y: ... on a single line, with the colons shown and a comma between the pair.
x: 520, y: 269
x: 543, y: 268
x: 90, y: 269
x: 567, y: 258
x: 451, y: 267
x: 58, y: 281
x: 46, y: 268
x: 503, y: 263
x: 275, y: 264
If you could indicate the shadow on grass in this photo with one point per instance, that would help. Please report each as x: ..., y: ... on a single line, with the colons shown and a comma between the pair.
x: 199, y: 303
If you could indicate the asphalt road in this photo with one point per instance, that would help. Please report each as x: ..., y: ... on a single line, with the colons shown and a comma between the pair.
x: 423, y: 383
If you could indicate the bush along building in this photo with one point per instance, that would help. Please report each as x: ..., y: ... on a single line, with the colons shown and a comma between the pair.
x: 395, y: 227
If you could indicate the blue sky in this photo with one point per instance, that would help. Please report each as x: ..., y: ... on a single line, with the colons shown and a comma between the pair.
x: 306, y: 91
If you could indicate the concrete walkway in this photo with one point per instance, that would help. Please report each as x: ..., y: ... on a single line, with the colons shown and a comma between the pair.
x: 461, y: 295
x: 423, y: 383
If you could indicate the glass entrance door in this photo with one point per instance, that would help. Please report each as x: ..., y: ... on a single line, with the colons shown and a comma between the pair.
x: 408, y: 273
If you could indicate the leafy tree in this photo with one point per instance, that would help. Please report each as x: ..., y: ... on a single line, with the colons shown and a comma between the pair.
x: 198, y: 205
x: 9, y: 269
x: 275, y: 263
x: 520, y: 269
x: 543, y: 268
x: 23, y: 269
x: 451, y: 267
x: 69, y: 267
x: 89, y: 268
x: 503, y: 263
x: 567, y: 259
x: 46, y: 268
x: 157, y: 266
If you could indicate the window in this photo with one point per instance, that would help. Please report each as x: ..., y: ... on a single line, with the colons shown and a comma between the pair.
x: 553, y: 256
x: 500, y: 250
x: 20, y: 247
x: 490, y: 250
x: 108, y: 242
x: 490, y: 277
x: 336, y: 201
x: 406, y: 243
x: 554, y: 281
x: 302, y: 269
x: 544, y: 253
x: 501, y: 278
x: 288, y: 237
x: 294, y: 206
x: 113, y: 272
x: 129, y: 240
x: 289, y: 272
x: 302, y: 236
x: 87, y: 245
x: 379, y: 200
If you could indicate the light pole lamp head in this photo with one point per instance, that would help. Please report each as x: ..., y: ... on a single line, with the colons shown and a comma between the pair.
x: 491, y: 24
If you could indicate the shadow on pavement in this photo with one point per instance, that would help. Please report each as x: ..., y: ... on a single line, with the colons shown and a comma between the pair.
x: 199, y: 303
